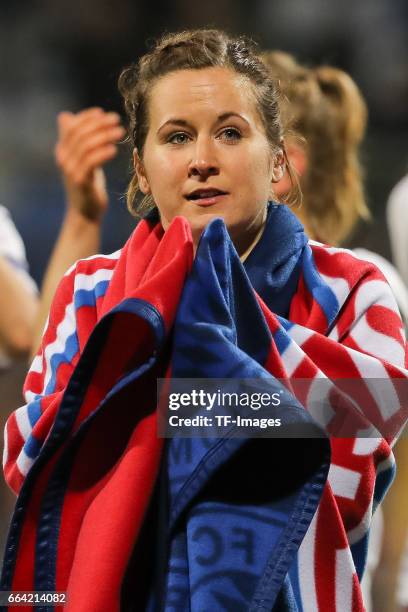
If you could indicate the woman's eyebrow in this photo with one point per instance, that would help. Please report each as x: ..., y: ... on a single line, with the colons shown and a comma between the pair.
x: 183, y: 123
x: 230, y: 114
x: 176, y: 122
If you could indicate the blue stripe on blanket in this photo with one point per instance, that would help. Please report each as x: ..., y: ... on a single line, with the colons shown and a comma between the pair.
x: 34, y: 411
x: 359, y: 554
x: 318, y: 288
x: 383, y: 482
x: 70, y: 350
x: 88, y: 297
x: 282, y: 340
x: 32, y: 447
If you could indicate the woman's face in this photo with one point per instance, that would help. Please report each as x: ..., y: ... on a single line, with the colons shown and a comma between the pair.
x: 206, y: 153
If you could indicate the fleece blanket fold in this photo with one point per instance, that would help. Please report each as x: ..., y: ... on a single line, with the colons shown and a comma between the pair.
x: 120, y: 520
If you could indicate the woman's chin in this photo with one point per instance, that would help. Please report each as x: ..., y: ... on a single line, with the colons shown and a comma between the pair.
x: 198, y: 224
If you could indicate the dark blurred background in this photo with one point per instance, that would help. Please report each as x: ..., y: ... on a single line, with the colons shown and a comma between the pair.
x: 58, y: 55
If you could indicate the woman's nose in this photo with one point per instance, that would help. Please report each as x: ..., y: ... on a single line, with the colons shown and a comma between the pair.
x: 204, y: 162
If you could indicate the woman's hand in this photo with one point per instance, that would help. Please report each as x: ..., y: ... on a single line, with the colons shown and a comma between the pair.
x: 86, y: 141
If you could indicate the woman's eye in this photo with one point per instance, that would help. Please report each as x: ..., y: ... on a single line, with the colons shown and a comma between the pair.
x: 178, y: 138
x: 231, y: 134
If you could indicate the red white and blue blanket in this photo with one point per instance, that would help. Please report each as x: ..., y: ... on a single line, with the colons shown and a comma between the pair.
x: 109, y: 513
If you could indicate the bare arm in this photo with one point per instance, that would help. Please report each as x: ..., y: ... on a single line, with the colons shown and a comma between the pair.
x: 18, y: 308
x: 87, y: 140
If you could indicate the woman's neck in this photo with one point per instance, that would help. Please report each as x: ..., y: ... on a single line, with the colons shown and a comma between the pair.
x: 253, y: 243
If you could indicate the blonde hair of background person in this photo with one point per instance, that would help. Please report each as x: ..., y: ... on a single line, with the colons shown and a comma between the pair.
x: 325, y: 117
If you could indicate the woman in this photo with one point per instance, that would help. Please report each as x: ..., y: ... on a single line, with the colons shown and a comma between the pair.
x: 108, y: 512
x: 326, y: 117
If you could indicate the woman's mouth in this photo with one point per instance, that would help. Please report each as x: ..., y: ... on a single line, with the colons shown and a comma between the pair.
x: 206, y: 197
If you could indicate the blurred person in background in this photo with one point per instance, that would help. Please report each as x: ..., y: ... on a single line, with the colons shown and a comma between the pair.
x: 397, y: 219
x: 18, y: 294
x: 18, y: 311
x: 104, y: 509
x: 326, y: 119
x: 86, y: 141
x: 402, y: 586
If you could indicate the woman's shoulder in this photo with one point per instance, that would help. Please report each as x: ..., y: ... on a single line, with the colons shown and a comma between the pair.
x: 93, y: 269
x: 346, y: 263
x: 83, y: 283
x: 348, y: 274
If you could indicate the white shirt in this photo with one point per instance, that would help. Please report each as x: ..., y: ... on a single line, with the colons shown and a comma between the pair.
x: 397, y: 219
x: 13, y: 251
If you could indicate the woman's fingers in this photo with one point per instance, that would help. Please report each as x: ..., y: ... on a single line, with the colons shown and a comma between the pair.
x: 85, y: 141
x: 81, y: 173
x: 80, y: 128
x: 84, y: 153
x: 66, y: 119
x: 96, y: 139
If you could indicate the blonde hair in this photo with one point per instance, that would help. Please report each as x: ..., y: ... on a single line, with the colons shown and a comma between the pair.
x: 198, y: 49
x: 324, y: 111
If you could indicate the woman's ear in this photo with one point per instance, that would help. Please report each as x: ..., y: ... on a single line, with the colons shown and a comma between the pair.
x: 278, y: 168
x: 297, y: 156
x: 140, y: 173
